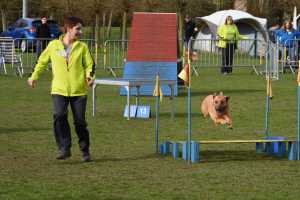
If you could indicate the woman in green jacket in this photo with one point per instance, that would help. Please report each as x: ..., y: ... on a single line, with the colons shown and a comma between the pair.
x: 228, y: 36
x: 73, y: 72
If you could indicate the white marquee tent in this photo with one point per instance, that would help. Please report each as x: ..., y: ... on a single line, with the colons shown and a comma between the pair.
x: 249, y: 25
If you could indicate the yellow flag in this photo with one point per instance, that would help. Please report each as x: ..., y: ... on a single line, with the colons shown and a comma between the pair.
x: 298, y: 77
x: 157, y: 89
x: 269, y: 87
x: 185, y: 74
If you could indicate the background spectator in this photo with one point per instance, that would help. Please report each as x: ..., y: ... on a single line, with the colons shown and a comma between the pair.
x: 190, y: 30
x: 287, y: 38
x: 42, y: 34
x: 229, y: 35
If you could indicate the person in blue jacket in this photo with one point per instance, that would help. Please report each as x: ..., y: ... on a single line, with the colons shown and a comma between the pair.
x: 288, y: 38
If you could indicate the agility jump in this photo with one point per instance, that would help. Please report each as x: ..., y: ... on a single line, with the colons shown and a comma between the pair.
x: 278, y: 146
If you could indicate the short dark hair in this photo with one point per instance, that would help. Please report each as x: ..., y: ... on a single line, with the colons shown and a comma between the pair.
x: 43, y: 15
x: 71, y: 21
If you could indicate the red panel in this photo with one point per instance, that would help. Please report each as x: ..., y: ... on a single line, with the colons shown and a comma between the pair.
x: 153, y: 37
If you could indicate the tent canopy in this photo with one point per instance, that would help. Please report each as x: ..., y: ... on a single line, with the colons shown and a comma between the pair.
x: 216, y: 19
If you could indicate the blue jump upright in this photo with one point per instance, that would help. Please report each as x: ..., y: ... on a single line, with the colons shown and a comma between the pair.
x: 173, y: 148
x: 276, y: 148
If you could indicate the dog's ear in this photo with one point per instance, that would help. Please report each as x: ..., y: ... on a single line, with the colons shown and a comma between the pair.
x: 221, y: 93
x: 214, y: 95
x: 227, y: 98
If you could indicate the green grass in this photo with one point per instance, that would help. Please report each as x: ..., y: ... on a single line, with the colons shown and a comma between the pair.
x: 125, y: 165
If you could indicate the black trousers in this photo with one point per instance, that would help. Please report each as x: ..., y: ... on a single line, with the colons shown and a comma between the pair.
x: 40, y: 47
x: 61, y: 125
x: 227, y: 58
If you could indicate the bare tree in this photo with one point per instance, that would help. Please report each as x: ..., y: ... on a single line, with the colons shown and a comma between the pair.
x: 240, y: 5
x: 97, y: 8
x: 148, y: 5
x: 10, y: 10
x: 124, y: 9
x: 119, y: 12
x: 3, y: 9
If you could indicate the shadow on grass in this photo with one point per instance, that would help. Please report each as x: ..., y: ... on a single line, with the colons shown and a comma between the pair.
x: 215, y: 156
x: 21, y: 130
x: 180, y: 115
x: 225, y: 91
x: 112, y: 159
x: 104, y: 159
x: 206, y: 156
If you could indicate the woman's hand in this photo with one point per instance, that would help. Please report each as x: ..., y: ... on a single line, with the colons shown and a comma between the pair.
x: 31, y: 83
x: 89, y: 82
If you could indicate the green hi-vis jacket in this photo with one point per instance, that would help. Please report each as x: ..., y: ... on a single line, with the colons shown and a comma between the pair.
x: 228, y: 33
x: 69, y: 76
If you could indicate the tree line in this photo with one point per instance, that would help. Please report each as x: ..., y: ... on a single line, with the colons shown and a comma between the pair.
x: 103, y: 14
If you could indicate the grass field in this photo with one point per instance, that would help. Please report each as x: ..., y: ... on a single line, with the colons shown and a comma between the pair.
x: 125, y: 165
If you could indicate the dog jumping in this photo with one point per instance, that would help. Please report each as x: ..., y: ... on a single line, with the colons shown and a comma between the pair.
x: 217, y: 107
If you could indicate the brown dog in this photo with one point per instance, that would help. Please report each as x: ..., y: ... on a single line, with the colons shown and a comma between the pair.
x: 217, y: 107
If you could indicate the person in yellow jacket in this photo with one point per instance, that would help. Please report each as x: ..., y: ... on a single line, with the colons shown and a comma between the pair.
x: 228, y: 34
x: 73, y: 72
